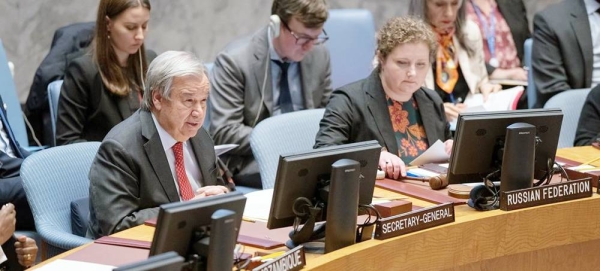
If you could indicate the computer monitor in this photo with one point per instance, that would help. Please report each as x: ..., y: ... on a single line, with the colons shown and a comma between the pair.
x: 298, y: 175
x: 205, y: 227
x: 480, y: 137
x: 168, y: 261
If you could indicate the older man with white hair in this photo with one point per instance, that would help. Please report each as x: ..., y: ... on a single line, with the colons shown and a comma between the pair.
x: 159, y: 154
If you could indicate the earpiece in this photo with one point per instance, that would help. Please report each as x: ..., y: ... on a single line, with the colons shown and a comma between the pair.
x: 142, y: 71
x: 480, y: 196
x: 274, y: 29
x: 274, y: 25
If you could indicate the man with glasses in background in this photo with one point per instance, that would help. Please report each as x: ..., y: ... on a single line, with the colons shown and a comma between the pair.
x: 284, y: 67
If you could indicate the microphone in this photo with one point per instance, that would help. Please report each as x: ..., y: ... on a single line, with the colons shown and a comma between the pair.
x: 435, y: 182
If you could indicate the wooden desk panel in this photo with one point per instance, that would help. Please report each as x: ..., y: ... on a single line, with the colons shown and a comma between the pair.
x: 580, y: 154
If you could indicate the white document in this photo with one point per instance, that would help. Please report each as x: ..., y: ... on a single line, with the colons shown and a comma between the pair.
x: 258, y: 205
x: 221, y: 149
x: 435, y: 154
x: 2, y: 256
x: 62, y: 265
x: 498, y: 101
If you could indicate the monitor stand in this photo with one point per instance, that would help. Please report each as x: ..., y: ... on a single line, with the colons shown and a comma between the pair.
x: 341, y: 197
x: 215, y: 251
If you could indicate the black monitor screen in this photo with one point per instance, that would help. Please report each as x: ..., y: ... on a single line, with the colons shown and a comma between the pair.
x: 298, y: 175
x: 178, y: 222
x: 478, y: 136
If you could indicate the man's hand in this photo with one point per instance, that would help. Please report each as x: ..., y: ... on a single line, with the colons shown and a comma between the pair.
x: 210, y: 190
x: 7, y: 222
x: 26, y: 250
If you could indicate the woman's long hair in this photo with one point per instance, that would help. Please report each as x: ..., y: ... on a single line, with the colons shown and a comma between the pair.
x: 418, y: 8
x: 104, y: 54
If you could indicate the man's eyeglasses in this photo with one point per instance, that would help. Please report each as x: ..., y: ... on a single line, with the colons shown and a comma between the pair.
x: 304, y: 40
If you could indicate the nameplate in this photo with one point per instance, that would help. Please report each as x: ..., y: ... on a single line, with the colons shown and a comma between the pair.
x: 294, y: 259
x: 414, y: 221
x: 535, y: 196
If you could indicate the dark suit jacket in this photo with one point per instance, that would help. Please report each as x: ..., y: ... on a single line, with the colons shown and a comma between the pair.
x: 562, y: 49
x: 588, y: 129
x: 130, y: 176
x: 515, y: 14
x: 10, y: 166
x: 236, y: 81
x: 358, y: 112
x: 86, y: 110
x: 68, y: 41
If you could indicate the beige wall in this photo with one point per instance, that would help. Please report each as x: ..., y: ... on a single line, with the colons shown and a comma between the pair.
x: 199, y: 26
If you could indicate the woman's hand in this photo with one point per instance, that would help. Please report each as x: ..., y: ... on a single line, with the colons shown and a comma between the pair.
x: 26, y: 250
x: 487, y: 88
x: 512, y: 74
x: 452, y: 110
x: 392, y: 165
x: 448, y: 146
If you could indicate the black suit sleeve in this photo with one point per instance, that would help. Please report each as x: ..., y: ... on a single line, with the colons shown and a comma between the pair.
x: 588, y: 129
x: 549, y: 74
x: 9, y: 166
x: 73, y: 104
x: 335, y: 127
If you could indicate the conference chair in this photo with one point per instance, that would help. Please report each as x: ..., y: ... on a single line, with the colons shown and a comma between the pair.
x: 351, y: 44
x: 571, y: 102
x: 11, y: 103
x: 53, y: 96
x: 531, y: 91
x: 283, y: 134
x: 53, y: 179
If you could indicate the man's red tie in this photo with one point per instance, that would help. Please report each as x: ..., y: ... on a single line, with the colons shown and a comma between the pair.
x: 185, y: 189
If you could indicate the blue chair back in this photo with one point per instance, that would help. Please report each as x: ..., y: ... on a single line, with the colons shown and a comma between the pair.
x: 531, y: 90
x: 53, y: 96
x: 283, y: 134
x: 351, y: 44
x: 570, y: 102
x: 11, y: 101
x: 52, y: 179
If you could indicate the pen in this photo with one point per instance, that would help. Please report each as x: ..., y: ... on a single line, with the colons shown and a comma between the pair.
x: 410, y: 174
x: 248, y: 220
x: 452, y: 100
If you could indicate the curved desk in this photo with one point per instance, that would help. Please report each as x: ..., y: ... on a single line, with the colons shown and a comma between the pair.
x: 560, y: 236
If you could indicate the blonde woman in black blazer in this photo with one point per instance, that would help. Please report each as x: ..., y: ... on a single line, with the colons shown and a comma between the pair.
x: 390, y: 105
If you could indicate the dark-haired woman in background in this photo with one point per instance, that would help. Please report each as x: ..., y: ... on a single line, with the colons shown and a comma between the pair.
x: 459, y: 67
x: 391, y: 105
x: 105, y: 87
x: 504, y: 28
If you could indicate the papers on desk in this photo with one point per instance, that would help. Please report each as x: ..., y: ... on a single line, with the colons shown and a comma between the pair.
x: 61, y: 265
x: 498, y: 101
x: 221, y: 149
x: 509, y: 82
x: 258, y: 205
x: 435, y: 154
